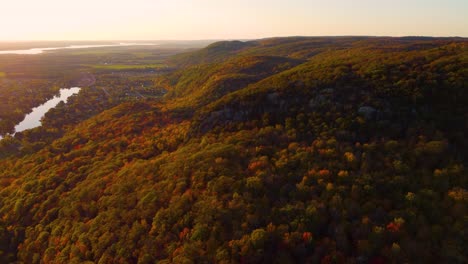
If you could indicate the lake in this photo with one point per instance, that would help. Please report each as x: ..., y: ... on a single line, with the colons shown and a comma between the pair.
x: 41, y: 50
x: 33, y: 119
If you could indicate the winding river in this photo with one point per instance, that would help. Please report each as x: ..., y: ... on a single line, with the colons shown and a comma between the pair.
x: 33, y: 119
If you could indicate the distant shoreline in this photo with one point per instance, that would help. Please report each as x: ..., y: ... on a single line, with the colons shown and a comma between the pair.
x: 33, y: 51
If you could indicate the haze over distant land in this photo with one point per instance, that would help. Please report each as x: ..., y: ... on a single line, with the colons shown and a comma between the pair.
x: 242, y: 19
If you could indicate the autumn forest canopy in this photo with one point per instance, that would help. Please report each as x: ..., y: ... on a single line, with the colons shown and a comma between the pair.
x: 279, y: 150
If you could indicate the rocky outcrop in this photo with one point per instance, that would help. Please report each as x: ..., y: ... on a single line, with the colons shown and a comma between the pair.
x: 368, y: 112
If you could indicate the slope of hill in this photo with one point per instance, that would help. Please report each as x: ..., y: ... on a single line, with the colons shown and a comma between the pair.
x: 286, y: 150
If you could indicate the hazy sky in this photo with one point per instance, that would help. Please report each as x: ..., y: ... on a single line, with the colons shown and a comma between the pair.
x: 227, y: 19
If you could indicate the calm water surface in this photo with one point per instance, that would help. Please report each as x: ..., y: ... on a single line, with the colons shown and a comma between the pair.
x: 33, y: 119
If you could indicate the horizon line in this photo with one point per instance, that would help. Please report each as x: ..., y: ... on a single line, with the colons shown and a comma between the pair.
x: 228, y: 39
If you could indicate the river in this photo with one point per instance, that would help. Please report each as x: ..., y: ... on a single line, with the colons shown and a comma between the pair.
x: 41, y: 50
x: 33, y: 119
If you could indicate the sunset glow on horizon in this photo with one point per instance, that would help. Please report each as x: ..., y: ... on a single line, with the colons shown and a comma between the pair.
x: 242, y: 19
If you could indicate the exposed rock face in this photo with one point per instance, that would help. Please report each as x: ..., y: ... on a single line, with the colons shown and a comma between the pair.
x: 317, y: 101
x: 368, y: 112
x: 273, y: 98
x: 327, y: 91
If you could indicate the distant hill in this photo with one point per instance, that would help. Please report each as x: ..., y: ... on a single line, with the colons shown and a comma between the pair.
x: 281, y: 150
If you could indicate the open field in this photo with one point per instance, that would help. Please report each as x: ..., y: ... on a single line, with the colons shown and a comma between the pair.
x: 121, y: 67
x: 29, y: 80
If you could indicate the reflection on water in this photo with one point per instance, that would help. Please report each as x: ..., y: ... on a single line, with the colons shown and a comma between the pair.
x: 41, y: 50
x: 33, y: 119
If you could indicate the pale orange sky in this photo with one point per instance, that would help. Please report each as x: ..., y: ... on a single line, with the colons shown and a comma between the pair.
x: 220, y: 19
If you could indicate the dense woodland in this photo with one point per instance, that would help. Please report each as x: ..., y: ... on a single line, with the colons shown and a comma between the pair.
x: 283, y: 150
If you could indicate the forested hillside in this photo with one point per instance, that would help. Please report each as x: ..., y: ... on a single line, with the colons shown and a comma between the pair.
x: 283, y: 150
